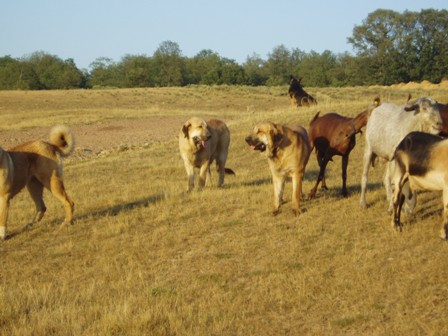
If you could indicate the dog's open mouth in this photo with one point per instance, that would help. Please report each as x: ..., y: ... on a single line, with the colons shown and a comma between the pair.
x: 255, y: 144
x: 200, y: 142
x: 259, y: 146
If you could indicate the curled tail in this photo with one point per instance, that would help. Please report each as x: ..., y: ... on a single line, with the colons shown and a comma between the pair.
x: 61, y: 136
x: 229, y: 171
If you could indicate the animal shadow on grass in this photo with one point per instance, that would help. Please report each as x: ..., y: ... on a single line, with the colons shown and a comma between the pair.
x: 309, y: 176
x: 257, y: 182
x: 110, y: 211
x: 430, y: 205
x: 116, y: 209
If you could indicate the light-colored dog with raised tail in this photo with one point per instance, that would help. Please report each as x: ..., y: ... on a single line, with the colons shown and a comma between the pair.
x: 201, y: 143
x: 36, y: 165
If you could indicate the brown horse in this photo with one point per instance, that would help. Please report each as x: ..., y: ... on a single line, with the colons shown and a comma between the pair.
x: 333, y: 134
x: 298, y: 95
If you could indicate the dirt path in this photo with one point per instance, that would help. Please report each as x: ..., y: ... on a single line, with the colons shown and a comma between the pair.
x: 105, y: 136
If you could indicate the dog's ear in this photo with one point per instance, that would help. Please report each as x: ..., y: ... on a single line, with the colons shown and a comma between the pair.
x: 275, y: 133
x: 273, y: 130
x: 185, y: 129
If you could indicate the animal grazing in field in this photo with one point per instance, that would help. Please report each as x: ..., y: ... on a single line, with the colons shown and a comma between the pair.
x: 287, y: 149
x: 421, y: 163
x: 388, y: 124
x: 333, y: 134
x: 299, y: 97
x: 200, y: 143
x: 35, y: 164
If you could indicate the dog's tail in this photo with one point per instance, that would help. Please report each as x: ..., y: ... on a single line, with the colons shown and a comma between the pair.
x: 61, y: 136
x: 229, y: 171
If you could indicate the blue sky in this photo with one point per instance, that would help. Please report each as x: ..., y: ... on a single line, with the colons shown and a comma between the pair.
x: 88, y: 29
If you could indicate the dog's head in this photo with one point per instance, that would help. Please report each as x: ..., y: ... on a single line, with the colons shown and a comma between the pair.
x: 265, y: 137
x: 197, y: 132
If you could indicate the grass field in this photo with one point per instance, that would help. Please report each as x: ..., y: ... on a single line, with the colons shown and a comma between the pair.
x: 145, y: 258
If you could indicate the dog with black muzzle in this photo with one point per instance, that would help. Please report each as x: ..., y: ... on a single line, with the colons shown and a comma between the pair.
x: 200, y: 143
x: 288, y: 150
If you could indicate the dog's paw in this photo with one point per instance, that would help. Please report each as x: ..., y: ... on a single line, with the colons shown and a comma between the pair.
x: 3, y: 233
x: 28, y: 226
x: 297, y: 212
x: 362, y: 205
x: 444, y: 232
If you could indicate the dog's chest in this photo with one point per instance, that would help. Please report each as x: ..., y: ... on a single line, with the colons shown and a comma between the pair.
x: 197, y: 159
x: 281, y: 166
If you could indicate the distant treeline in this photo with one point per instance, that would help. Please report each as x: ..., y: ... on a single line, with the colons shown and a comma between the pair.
x: 390, y: 48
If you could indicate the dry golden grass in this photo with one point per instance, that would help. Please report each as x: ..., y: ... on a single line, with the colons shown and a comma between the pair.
x: 145, y: 258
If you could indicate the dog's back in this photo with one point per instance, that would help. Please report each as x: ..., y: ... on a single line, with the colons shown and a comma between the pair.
x: 222, y: 133
x: 35, y: 164
x: 29, y: 158
x: 302, y: 136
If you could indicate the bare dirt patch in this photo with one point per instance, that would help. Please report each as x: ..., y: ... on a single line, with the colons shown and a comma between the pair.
x: 105, y: 136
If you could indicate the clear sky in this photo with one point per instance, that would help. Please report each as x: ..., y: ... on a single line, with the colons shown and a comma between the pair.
x: 88, y: 29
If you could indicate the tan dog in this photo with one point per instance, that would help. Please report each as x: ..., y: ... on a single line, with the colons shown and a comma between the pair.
x: 200, y: 143
x: 35, y: 164
x: 288, y: 150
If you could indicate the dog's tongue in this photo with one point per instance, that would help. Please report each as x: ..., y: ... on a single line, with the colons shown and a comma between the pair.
x: 253, y: 147
x: 203, y: 143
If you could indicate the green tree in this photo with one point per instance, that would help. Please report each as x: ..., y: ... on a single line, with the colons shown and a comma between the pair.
x: 206, y: 67
x: 431, y: 41
x: 255, y: 71
x: 15, y: 74
x: 231, y: 72
x: 279, y: 66
x: 403, y: 47
x: 138, y: 71
x: 375, y: 38
x: 169, y: 65
x: 315, y: 68
x: 105, y: 73
x: 55, y: 73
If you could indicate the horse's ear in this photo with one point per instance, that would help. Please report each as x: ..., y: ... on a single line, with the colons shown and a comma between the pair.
x: 300, y: 79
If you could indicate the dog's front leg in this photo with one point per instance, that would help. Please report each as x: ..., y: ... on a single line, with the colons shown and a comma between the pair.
x: 190, y: 173
x: 204, y: 175
x: 279, y: 183
x: 4, y: 209
x: 296, y: 192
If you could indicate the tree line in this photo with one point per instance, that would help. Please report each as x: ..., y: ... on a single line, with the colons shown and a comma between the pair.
x: 390, y: 47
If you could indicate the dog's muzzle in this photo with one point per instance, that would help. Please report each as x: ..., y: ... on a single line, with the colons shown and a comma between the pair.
x: 255, y: 144
x: 198, y: 141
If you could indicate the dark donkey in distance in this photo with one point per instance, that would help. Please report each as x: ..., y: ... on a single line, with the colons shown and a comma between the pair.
x: 298, y: 95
